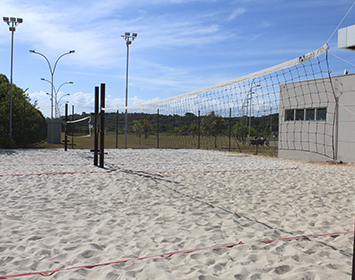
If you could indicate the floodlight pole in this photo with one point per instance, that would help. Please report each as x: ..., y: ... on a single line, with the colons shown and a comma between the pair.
x: 129, y: 39
x: 52, y: 71
x: 12, y: 22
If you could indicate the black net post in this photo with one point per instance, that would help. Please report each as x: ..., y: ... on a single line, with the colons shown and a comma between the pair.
x: 102, y: 127
x: 96, y: 129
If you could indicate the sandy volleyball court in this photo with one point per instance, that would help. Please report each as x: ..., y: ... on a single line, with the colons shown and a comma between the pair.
x: 58, y: 211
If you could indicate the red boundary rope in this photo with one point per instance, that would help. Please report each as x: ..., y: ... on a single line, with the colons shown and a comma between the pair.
x: 167, y: 255
x: 57, y: 173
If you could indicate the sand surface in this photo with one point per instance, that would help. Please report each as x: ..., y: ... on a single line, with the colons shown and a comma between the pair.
x: 58, y: 211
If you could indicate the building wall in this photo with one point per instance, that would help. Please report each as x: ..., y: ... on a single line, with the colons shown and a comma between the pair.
x: 57, y: 132
x: 345, y: 86
x: 320, y: 138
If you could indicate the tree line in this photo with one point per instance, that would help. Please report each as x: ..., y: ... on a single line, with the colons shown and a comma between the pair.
x: 213, y: 125
x: 28, y: 123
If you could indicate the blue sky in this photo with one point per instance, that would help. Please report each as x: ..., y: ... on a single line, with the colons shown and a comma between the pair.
x: 182, y: 45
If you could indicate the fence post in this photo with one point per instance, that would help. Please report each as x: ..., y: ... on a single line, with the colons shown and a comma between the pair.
x: 24, y: 123
x: 230, y: 127
x: 117, y: 131
x: 157, y: 128
x: 199, y: 131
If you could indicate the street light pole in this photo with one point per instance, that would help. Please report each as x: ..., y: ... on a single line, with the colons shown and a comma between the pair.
x: 129, y: 39
x: 57, y: 114
x: 52, y: 71
x: 12, y: 22
x: 59, y: 103
x: 56, y: 91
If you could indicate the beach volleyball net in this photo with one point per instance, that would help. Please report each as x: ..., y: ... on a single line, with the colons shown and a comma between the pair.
x: 288, y: 106
x: 79, y: 128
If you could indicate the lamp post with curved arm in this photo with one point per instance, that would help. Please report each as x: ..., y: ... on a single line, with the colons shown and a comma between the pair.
x: 52, y: 71
x: 56, y: 91
x: 60, y: 105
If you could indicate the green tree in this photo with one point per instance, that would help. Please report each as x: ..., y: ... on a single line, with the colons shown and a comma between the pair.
x: 193, y: 128
x: 28, y: 123
x: 213, y: 125
x: 141, y: 126
x: 240, y: 130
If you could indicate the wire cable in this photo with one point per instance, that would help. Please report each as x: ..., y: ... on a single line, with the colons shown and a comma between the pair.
x: 341, y: 22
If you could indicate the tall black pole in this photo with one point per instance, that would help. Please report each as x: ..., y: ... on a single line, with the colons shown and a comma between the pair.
x: 102, y: 127
x: 96, y: 129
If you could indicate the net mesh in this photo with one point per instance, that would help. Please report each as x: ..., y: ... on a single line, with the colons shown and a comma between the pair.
x: 290, y: 106
x: 78, y: 128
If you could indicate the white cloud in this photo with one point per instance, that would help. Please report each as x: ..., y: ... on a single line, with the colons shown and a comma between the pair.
x: 265, y: 24
x: 236, y: 13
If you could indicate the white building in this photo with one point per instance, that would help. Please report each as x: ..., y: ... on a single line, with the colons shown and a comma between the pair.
x: 317, y: 119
